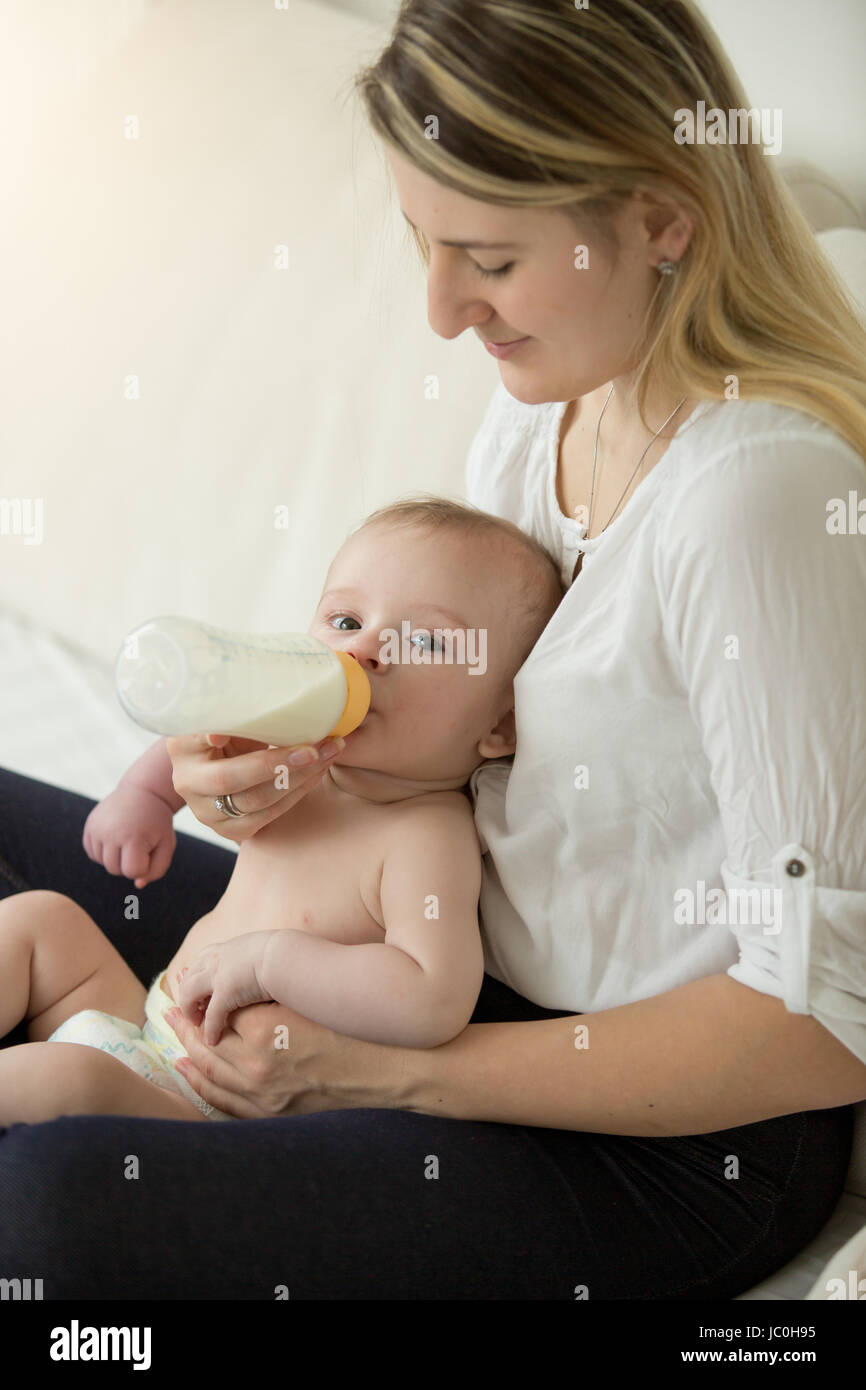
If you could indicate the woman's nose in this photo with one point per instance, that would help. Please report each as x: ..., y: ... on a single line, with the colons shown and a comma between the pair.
x: 450, y: 309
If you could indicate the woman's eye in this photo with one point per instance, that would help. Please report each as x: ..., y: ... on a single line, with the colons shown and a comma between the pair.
x: 502, y: 270
x: 344, y: 617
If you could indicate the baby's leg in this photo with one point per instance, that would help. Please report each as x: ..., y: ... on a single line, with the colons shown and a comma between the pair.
x: 39, y: 1081
x: 55, y: 961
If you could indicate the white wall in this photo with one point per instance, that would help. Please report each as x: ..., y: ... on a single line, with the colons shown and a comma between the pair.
x: 808, y: 60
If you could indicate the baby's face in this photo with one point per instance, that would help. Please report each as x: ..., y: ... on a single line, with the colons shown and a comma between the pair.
x: 434, y: 694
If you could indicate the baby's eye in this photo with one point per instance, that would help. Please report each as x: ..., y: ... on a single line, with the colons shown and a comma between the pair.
x: 344, y: 617
x: 425, y: 635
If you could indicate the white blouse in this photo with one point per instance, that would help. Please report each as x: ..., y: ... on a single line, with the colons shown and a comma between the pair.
x: 688, y: 794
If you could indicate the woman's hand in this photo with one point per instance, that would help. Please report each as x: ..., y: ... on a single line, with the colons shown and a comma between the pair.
x: 272, y: 1061
x: 205, y: 766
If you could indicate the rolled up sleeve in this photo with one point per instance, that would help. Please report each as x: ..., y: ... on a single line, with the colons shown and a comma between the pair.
x: 765, y: 612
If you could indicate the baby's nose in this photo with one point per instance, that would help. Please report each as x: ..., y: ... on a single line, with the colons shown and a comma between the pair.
x: 363, y: 658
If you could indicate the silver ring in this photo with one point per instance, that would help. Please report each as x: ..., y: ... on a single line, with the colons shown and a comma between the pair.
x: 227, y: 806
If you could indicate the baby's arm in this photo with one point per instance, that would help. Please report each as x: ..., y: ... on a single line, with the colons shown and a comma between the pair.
x: 417, y: 988
x: 131, y: 830
x: 153, y: 773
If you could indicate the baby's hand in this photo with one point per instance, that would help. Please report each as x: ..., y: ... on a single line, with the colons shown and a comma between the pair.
x: 221, y: 979
x: 131, y: 833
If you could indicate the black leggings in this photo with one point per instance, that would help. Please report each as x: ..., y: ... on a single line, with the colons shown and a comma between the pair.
x: 338, y: 1205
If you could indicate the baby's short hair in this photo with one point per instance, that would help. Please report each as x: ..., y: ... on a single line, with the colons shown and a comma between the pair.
x: 536, y: 583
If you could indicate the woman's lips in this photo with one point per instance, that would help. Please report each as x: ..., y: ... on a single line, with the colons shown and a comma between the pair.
x: 501, y: 350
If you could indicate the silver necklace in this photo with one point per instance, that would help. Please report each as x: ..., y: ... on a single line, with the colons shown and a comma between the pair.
x: 639, y: 462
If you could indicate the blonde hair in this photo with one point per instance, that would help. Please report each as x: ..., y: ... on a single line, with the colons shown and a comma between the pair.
x: 541, y: 104
x: 525, y: 566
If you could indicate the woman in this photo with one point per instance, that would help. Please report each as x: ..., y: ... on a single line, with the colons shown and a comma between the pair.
x: 653, y: 1098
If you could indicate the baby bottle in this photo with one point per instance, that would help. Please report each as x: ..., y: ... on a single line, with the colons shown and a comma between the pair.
x: 178, y: 676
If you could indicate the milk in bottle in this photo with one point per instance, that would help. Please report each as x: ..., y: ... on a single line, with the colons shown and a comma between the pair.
x: 177, y: 676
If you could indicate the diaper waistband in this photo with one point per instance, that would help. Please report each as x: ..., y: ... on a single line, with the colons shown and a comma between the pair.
x: 156, y: 1029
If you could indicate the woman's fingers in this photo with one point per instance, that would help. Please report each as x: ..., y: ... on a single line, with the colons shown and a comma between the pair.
x: 231, y: 1102
x: 199, y: 769
x: 221, y: 772
x: 262, y: 782
x: 261, y: 805
x: 233, y: 744
x: 211, y: 1072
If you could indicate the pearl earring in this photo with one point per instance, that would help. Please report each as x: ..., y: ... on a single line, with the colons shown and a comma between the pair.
x: 666, y: 267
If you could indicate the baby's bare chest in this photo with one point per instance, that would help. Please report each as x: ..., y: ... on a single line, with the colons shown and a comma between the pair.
x: 320, y: 877
x: 319, y: 873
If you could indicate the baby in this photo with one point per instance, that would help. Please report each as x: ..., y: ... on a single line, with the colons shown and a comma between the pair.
x: 357, y: 907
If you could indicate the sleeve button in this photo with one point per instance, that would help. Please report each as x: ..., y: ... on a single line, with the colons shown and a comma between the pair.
x: 795, y: 867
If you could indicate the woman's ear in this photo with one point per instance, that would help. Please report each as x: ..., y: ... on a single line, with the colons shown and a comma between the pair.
x: 667, y: 225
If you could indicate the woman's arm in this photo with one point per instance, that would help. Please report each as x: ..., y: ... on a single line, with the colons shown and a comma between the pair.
x: 706, y: 1056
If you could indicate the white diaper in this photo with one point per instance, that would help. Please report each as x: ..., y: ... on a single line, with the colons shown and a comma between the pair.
x: 151, y: 1051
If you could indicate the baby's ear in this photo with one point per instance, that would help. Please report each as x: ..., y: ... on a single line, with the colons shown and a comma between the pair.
x: 501, y: 741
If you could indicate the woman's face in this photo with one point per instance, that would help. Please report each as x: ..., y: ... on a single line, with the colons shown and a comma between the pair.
x: 579, y: 322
